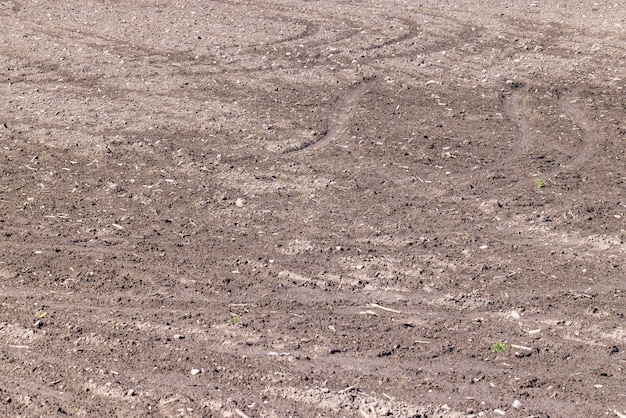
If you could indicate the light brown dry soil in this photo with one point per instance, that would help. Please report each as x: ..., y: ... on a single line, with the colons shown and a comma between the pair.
x: 324, y: 208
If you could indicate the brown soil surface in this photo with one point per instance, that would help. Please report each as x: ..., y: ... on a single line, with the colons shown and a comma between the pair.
x: 313, y: 208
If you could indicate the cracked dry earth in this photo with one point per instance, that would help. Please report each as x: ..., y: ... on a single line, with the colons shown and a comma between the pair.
x: 313, y: 208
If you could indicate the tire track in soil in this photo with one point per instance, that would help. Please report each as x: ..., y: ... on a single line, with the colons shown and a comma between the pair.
x: 189, y: 57
x: 514, y: 108
x: 589, y: 134
x: 337, y: 120
x: 26, y: 393
x: 162, y: 379
x: 411, y: 33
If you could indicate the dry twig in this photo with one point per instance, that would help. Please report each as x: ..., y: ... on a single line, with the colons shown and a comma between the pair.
x: 241, y: 414
x: 376, y: 305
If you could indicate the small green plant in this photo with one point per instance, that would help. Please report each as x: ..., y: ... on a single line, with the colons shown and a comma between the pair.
x: 499, y: 347
x: 420, y: 8
x: 234, y: 320
x: 42, y: 314
x: 541, y: 184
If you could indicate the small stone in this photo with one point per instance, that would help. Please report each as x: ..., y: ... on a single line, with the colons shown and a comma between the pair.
x: 383, y: 411
x: 514, y: 315
x: 499, y: 412
x: 131, y: 392
x: 518, y: 405
x: 195, y: 372
x: 178, y: 336
x: 240, y: 202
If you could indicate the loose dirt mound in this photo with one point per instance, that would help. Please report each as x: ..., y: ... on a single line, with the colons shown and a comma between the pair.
x: 312, y: 208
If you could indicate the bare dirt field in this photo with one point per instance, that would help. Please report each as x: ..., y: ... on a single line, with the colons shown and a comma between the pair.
x: 324, y: 208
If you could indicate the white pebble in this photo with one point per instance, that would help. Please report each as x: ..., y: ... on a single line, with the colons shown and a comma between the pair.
x: 195, y: 371
x: 240, y: 202
x: 517, y: 404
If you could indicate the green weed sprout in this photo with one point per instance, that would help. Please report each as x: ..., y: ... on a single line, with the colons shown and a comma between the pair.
x: 499, y: 347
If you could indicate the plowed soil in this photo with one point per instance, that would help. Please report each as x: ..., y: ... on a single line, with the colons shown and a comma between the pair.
x: 325, y: 208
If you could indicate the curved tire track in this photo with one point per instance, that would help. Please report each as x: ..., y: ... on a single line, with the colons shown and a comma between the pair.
x: 514, y: 108
x: 589, y: 135
x: 337, y: 120
x: 515, y: 111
